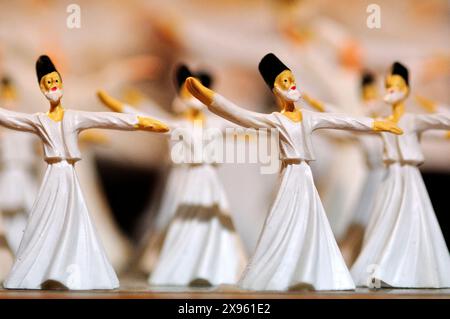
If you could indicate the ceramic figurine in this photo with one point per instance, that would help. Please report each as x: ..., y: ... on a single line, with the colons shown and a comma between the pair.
x: 403, y: 244
x: 161, y: 211
x: 113, y: 74
x: 60, y: 248
x: 296, y: 247
x: 201, y: 246
x: 18, y: 186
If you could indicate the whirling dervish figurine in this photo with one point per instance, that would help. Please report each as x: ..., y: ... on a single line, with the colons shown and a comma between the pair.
x: 161, y: 211
x: 403, y: 244
x: 18, y: 186
x: 60, y: 247
x: 296, y: 247
x: 201, y: 245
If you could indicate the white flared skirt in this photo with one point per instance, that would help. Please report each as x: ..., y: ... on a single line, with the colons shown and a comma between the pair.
x: 17, y: 193
x: 6, y: 256
x: 403, y: 244
x: 201, y: 244
x: 60, y: 247
x: 163, y: 212
x: 296, y: 248
x: 173, y: 192
x: 361, y: 213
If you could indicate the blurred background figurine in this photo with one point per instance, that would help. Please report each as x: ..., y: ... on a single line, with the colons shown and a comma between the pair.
x: 296, y: 247
x: 18, y: 187
x: 200, y: 245
x: 59, y: 222
x: 403, y: 241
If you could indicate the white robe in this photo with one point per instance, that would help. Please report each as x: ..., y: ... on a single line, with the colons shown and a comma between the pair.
x: 60, y: 247
x: 18, y: 186
x: 296, y: 247
x: 6, y: 255
x: 403, y: 244
x: 372, y: 147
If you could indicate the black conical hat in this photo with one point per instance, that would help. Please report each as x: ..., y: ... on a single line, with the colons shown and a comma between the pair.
x: 6, y: 81
x: 44, y: 66
x: 205, y: 78
x: 269, y: 67
x: 400, y: 69
x: 367, y: 78
x: 182, y: 73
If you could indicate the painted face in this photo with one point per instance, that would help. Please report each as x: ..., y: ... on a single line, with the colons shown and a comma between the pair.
x: 189, y: 100
x: 52, y: 87
x: 285, y: 86
x: 396, y: 89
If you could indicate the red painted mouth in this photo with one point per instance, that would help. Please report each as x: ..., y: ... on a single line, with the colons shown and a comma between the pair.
x: 54, y: 88
x: 293, y: 87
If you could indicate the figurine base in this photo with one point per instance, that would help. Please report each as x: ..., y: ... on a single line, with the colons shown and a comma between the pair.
x: 137, y: 287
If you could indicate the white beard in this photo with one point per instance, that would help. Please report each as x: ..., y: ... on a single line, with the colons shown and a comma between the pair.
x: 54, y: 96
x: 394, y: 97
x: 290, y: 95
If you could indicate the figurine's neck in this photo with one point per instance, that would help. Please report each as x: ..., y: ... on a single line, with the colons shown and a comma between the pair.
x: 284, y: 105
x: 56, y: 112
x: 398, y: 109
x: 55, y: 106
x: 194, y: 114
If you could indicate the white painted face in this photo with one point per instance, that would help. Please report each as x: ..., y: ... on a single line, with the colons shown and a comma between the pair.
x: 394, y: 96
x: 51, y: 86
x: 396, y: 89
x: 54, y: 95
x: 292, y: 95
x: 285, y: 86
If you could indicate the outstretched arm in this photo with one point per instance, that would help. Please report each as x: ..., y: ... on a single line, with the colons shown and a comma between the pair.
x: 319, y: 105
x: 431, y: 106
x: 17, y: 121
x: 437, y: 121
x: 121, y: 107
x: 118, y: 121
x: 345, y: 122
x: 224, y: 108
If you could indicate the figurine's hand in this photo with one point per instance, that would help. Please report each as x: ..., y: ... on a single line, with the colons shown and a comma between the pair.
x: 387, y: 126
x: 427, y: 104
x: 199, y: 91
x: 152, y: 125
x: 109, y: 101
x: 313, y: 102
